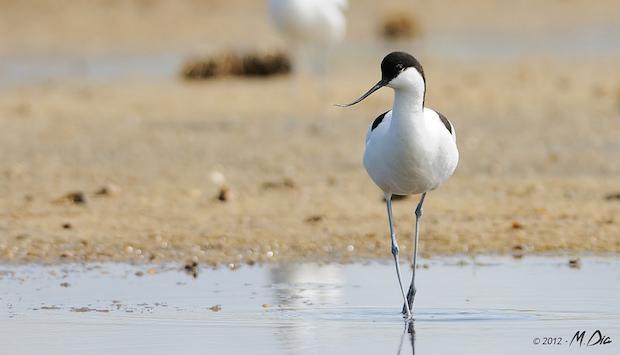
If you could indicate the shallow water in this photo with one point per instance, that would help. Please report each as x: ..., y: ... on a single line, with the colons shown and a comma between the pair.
x: 468, y: 46
x: 17, y: 71
x: 480, y: 306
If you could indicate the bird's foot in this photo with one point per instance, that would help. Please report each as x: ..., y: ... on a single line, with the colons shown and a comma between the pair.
x: 407, y: 312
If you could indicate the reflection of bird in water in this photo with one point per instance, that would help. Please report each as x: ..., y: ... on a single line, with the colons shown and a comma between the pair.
x: 306, y: 284
x: 410, y: 149
x: 302, y: 287
x: 310, y: 26
x: 409, y: 329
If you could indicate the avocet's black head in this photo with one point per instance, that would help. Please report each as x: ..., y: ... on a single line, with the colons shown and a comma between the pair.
x: 396, y: 62
x: 393, y: 69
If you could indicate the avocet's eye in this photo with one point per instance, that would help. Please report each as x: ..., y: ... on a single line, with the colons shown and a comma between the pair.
x: 400, y: 67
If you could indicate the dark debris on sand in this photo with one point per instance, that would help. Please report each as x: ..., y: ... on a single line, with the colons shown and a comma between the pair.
x: 191, y: 268
x: 285, y: 183
x: 400, y: 26
x: 574, y: 263
x: 224, y: 194
x: 314, y: 218
x: 74, y: 197
x: 108, y: 190
x: 88, y: 309
x: 518, y: 251
x: 235, y: 64
x: 613, y: 196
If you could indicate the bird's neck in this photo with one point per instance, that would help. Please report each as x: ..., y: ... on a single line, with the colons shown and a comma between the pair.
x: 408, y: 104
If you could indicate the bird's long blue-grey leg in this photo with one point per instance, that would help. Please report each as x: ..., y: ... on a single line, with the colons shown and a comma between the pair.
x: 388, y: 201
x: 416, y: 240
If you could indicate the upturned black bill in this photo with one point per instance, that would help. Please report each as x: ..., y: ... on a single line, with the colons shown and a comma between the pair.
x: 377, y: 86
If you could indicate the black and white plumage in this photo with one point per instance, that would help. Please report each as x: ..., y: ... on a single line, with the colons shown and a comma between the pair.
x: 410, y: 149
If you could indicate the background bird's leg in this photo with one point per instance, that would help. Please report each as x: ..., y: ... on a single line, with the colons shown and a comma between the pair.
x: 416, y: 239
x: 388, y: 201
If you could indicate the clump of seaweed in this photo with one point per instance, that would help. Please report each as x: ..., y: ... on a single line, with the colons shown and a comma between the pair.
x: 400, y: 26
x: 236, y: 64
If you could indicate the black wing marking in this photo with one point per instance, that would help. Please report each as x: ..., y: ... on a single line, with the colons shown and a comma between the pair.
x: 378, y: 120
x: 445, y: 121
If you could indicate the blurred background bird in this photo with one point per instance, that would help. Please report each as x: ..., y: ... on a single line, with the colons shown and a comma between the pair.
x: 311, y: 28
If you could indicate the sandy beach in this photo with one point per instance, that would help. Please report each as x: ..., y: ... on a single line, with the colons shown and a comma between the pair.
x: 538, y: 134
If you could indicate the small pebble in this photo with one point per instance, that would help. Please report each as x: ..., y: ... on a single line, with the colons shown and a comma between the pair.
x: 517, y: 251
x: 65, y: 284
x: 75, y: 197
x: 314, y: 219
x: 216, y: 308
x: 575, y: 263
x: 50, y: 307
x: 66, y: 254
x: 286, y: 183
x: 224, y: 194
x: 108, y: 190
x: 192, y: 268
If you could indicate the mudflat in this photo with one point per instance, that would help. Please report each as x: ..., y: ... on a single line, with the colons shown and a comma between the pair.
x: 238, y: 170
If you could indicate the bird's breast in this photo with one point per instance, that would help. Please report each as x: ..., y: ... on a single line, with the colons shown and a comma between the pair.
x: 410, y: 162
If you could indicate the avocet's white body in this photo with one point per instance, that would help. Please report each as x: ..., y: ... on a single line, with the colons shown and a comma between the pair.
x: 411, y: 151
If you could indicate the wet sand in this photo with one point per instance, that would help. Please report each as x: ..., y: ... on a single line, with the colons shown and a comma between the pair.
x: 538, y: 136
